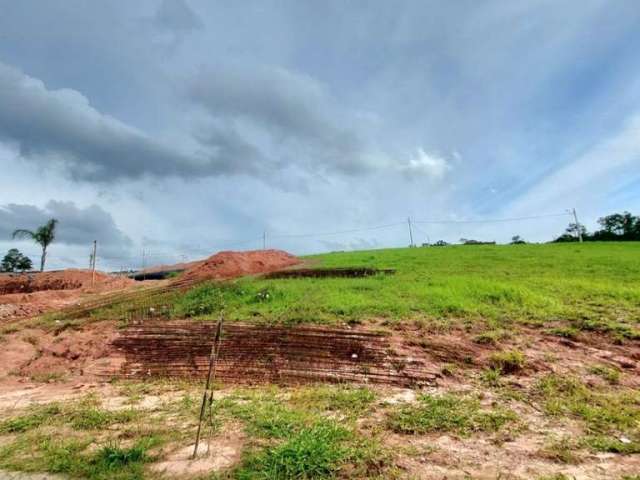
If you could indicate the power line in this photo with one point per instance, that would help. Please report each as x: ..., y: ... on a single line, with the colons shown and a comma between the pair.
x: 495, y: 220
x: 221, y: 244
x: 339, y: 232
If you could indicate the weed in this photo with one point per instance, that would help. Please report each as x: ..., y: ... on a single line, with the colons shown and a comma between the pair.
x: 55, y: 454
x: 571, y: 333
x: 607, y: 414
x: 491, y: 377
x: 610, y: 374
x: 315, y: 452
x: 491, y: 337
x: 449, y: 369
x: 508, y: 361
x: 561, y: 450
x: 318, y: 451
x: 267, y: 419
x: 604, y: 443
x: 112, y: 456
x: 447, y: 413
x: 92, y: 418
x: 36, y: 416
x: 347, y: 400
x: 48, y: 377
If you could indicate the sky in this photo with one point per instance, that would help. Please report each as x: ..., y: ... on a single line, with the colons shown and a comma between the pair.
x: 179, y: 128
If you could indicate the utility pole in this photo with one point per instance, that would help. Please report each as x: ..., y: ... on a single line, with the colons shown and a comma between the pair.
x: 578, y: 226
x: 93, y: 263
x: 410, y: 231
x: 143, y: 265
x: 264, y: 240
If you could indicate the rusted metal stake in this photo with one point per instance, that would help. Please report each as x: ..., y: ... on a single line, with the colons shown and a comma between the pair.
x: 213, y: 359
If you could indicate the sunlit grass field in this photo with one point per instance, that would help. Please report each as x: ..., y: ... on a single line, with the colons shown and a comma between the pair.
x: 565, y: 287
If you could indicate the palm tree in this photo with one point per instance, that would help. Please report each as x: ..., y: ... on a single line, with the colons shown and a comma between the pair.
x: 43, y: 236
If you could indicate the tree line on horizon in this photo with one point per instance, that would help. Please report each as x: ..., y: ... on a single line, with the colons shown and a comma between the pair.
x: 613, y: 228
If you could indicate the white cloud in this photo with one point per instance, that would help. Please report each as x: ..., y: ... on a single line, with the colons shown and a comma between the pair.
x: 429, y: 165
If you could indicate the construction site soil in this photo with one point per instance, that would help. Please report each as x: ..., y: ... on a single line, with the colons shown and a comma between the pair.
x: 62, y: 362
x: 31, y: 294
x: 225, y: 265
x: 70, y: 279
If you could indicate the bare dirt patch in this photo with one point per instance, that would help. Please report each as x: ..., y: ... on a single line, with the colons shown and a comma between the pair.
x: 219, y: 453
x: 37, y: 353
x: 440, y: 457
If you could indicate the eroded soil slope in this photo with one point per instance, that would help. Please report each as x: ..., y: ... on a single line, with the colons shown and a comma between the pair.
x: 30, y: 294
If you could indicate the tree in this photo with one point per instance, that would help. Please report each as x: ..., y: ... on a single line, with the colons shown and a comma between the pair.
x: 14, y: 261
x: 618, y: 226
x: 575, y: 230
x: 517, y: 240
x: 43, y: 236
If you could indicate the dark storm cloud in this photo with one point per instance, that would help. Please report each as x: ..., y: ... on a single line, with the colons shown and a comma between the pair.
x: 261, y: 120
x: 177, y: 16
x: 287, y: 116
x: 78, y: 226
x: 61, y: 127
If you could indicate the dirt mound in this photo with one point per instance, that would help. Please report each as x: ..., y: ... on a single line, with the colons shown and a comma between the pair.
x: 172, y: 267
x: 31, y: 294
x: 235, y: 264
x: 34, y: 352
x: 70, y: 279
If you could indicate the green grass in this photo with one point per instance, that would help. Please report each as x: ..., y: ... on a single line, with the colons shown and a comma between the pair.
x: 610, y: 374
x: 315, y: 452
x: 57, y: 437
x: 561, y: 450
x: 304, y: 433
x: 448, y: 413
x: 53, y: 453
x: 570, y: 287
x: 509, y: 361
x: 35, y: 417
x: 81, y: 415
x: 608, y: 415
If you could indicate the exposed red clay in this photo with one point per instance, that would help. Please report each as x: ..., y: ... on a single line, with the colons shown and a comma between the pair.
x: 70, y: 279
x: 31, y: 294
x: 225, y: 265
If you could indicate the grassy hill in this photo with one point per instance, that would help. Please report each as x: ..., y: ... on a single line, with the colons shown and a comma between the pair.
x: 509, y: 397
x: 564, y: 287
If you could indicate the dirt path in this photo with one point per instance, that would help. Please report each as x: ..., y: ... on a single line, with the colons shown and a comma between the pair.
x: 5, y: 475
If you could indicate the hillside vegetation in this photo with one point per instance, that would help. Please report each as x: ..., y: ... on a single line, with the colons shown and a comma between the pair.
x: 563, y: 287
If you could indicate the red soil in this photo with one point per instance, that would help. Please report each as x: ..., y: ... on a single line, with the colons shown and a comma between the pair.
x: 173, y: 266
x: 70, y: 279
x: 31, y: 294
x: 225, y: 265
